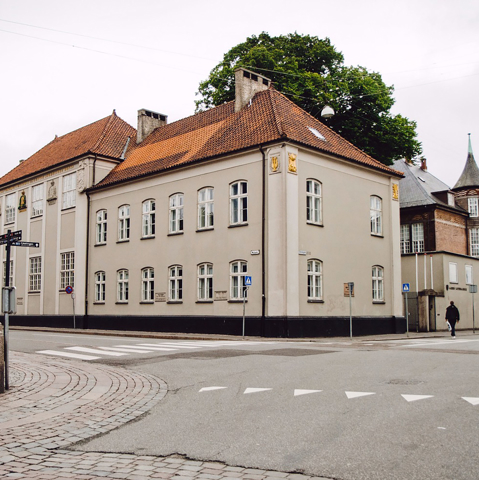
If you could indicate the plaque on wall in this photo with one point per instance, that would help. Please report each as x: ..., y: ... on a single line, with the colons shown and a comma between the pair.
x: 220, y: 295
x: 160, y: 296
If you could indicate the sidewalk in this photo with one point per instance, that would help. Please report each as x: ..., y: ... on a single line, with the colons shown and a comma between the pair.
x: 52, y: 404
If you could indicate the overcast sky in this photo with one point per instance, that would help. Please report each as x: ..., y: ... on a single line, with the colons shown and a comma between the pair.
x: 153, y: 54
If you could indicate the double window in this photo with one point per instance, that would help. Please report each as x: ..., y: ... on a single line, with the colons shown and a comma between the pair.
x: 378, y: 283
x: 176, y: 213
x: 473, y: 206
x: 37, y: 200
x: 238, y: 203
x: 416, y: 231
x: 175, y: 283
x: 124, y: 223
x: 100, y: 281
x: 10, y: 201
x: 148, y: 219
x: 122, y: 286
x: 35, y: 274
x: 313, y: 202
x: 205, y: 281
x: 101, y: 226
x: 238, y: 271
x: 148, y: 285
x: 315, y: 280
x: 67, y: 270
x: 69, y: 190
x: 205, y: 208
x: 474, y: 242
x: 376, y: 215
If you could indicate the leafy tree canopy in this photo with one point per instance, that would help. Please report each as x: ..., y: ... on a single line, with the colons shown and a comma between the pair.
x: 311, y: 73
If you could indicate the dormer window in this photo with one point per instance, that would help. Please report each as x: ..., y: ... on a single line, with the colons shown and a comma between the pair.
x: 473, y: 206
x: 451, y: 199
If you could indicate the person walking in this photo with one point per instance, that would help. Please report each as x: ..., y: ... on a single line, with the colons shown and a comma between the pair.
x: 452, y: 316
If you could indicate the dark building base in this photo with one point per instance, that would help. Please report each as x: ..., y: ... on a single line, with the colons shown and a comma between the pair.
x: 282, y: 327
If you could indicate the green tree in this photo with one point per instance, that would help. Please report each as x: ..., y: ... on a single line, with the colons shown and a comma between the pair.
x: 311, y: 73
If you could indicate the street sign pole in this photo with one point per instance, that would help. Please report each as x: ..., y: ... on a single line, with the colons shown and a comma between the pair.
x: 7, y: 318
x: 247, y: 284
x: 350, y: 288
x: 407, y: 317
x: 473, y: 290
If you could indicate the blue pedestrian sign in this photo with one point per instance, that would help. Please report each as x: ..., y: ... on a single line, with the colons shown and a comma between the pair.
x: 248, y: 281
x: 405, y: 287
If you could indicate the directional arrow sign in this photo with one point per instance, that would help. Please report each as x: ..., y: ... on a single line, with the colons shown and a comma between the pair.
x: 25, y: 244
x: 17, y: 235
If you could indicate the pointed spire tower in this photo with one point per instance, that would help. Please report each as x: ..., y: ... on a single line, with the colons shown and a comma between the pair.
x: 470, y: 175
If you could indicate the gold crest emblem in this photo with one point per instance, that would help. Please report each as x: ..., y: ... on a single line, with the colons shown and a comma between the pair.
x: 274, y: 164
x: 292, y: 163
x: 395, y: 191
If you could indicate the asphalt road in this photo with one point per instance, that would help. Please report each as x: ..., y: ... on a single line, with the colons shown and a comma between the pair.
x: 405, y: 409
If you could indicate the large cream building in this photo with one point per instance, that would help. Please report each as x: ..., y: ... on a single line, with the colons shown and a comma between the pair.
x: 253, y: 188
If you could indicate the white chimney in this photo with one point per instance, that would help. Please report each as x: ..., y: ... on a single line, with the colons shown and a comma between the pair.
x: 248, y: 83
x: 147, y: 122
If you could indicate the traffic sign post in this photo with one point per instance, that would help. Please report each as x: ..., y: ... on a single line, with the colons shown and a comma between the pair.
x: 350, y: 288
x: 405, y: 290
x: 473, y: 289
x: 248, y: 281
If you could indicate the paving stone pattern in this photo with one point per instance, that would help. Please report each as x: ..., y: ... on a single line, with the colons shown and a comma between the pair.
x: 53, y: 404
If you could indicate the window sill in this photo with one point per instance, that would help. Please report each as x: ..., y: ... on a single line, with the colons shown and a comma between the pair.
x: 123, y: 241
x: 121, y: 303
x: 314, y: 224
x: 236, y: 225
x: 100, y: 244
x: 68, y: 208
x: 174, y: 302
x: 148, y: 238
x: 204, y: 301
x: 238, y: 300
x: 379, y: 302
x: 206, y: 229
x: 149, y: 302
x: 10, y: 223
x: 312, y: 300
x: 36, y: 217
x: 377, y: 235
x: 173, y: 234
x: 98, y: 303
x: 34, y: 292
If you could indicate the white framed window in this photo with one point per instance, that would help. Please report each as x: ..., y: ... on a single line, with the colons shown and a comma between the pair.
x: 148, y: 285
x: 69, y: 190
x: 315, y: 280
x: 37, y: 200
x: 176, y: 213
x: 378, y: 283
x: 122, y: 286
x: 175, y: 283
x: 376, y: 215
x: 101, y: 226
x: 10, y: 204
x: 469, y: 276
x: 474, y: 242
x: 238, y: 203
x: 473, y: 206
x: 148, y: 218
x: 67, y: 270
x: 405, y: 239
x: 417, y: 237
x: 313, y: 202
x: 100, y: 287
x: 35, y: 274
x: 205, y: 281
x: 453, y: 278
x: 10, y: 279
x: 205, y: 208
x: 238, y: 271
x: 124, y: 223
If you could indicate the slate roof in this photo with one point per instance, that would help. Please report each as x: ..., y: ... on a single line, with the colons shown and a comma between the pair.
x: 270, y: 117
x: 418, y: 187
x: 470, y: 174
x: 106, y: 137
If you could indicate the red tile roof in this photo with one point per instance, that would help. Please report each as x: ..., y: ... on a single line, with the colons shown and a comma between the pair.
x: 270, y: 117
x: 106, y: 137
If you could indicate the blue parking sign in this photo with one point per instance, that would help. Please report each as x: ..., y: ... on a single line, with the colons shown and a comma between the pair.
x: 248, y: 281
x: 405, y: 287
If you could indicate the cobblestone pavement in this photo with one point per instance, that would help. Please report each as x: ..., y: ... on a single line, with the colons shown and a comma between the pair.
x: 52, y: 404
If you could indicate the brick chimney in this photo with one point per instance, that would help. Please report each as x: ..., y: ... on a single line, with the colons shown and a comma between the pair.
x: 248, y: 83
x: 147, y: 122
x: 423, y: 163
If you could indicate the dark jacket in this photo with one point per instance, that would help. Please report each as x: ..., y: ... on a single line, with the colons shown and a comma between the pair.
x: 452, y: 313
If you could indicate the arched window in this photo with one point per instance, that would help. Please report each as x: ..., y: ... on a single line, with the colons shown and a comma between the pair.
x: 101, y: 227
x: 238, y: 271
x: 315, y: 280
x: 176, y: 213
x: 205, y: 208
x: 124, y: 223
x: 148, y: 285
x: 376, y: 215
x: 122, y: 286
x: 378, y: 283
x: 100, y: 281
x: 205, y: 281
x: 314, y: 202
x: 238, y: 203
x: 148, y: 218
x: 175, y: 283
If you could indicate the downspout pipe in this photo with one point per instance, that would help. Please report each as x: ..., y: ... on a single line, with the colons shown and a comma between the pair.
x: 87, y: 254
x: 263, y: 243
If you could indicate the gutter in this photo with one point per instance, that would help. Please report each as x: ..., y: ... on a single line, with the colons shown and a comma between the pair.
x: 263, y: 242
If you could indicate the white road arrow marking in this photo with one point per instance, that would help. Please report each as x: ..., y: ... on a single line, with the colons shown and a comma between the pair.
x: 471, y: 400
x: 255, y: 390
x: 358, y: 394
x: 299, y: 392
x: 210, y: 389
x: 413, y: 398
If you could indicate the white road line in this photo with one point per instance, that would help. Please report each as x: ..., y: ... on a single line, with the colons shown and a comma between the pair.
x: 471, y: 400
x: 298, y: 392
x: 210, y: 389
x: 358, y: 394
x: 95, y: 350
x: 171, y: 346
x: 256, y: 390
x: 68, y: 355
x: 413, y: 398
x: 136, y: 347
x: 432, y: 344
x: 127, y: 350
